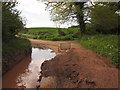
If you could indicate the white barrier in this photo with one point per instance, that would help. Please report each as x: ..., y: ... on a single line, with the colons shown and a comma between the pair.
x: 64, y: 47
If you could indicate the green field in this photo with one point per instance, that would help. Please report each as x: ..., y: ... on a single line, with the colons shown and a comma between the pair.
x: 37, y: 31
x: 49, y: 33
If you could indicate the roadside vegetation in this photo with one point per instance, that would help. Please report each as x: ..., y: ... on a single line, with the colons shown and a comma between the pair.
x: 13, y: 51
x: 14, y: 48
x: 105, y: 45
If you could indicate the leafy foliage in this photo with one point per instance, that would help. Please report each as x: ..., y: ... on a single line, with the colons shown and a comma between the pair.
x: 11, y: 21
x: 102, y: 15
x: 105, y: 19
x: 12, y: 46
x: 69, y: 12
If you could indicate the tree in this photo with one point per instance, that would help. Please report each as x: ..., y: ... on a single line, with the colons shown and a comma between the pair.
x: 11, y: 21
x: 63, y: 12
x: 104, y: 18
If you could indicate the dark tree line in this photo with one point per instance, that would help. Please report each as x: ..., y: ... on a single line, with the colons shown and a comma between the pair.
x: 105, y: 17
x: 11, y: 21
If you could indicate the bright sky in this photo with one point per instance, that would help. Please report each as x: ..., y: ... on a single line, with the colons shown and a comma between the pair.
x: 34, y: 13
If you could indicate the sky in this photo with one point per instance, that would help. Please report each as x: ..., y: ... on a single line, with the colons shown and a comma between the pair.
x: 34, y: 13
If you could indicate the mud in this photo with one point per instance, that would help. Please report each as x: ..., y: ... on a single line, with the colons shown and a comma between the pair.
x: 78, y: 68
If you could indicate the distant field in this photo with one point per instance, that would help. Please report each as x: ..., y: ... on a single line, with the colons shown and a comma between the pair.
x: 37, y: 31
x: 49, y: 33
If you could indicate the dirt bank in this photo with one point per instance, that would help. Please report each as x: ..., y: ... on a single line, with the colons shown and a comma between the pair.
x: 13, y: 51
x: 78, y: 68
x: 9, y: 79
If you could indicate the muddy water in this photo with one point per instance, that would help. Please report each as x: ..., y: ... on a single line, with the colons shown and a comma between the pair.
x: 26, y: 73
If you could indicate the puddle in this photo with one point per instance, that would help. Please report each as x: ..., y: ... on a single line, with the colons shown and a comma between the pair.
x: 26, y: 75
x: 29, y: 78
x: 31, y: 75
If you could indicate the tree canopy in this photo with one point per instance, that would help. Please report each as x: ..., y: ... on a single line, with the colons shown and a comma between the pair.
x: 70, y: 12
x: 105, y: 18
x: 102, y: 15
x: 11, y: 21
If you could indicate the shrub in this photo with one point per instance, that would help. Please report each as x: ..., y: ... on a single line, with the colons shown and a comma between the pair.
x: 90, y: 29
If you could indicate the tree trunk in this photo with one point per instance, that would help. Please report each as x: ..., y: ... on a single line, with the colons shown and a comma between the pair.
x: 81, y: 26
x: 80, y: 17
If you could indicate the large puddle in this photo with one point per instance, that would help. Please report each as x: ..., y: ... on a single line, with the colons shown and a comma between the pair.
x: 26, y: 73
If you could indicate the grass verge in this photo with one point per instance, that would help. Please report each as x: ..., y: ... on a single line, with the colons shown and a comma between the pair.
x: 105, y: 45
x: 13, y: 51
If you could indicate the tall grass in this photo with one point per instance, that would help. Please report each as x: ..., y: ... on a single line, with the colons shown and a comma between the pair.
x: 105, y: 45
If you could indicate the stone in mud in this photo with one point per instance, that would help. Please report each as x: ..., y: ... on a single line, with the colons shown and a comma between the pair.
x: 40, y: 72
x: 43, y: 66
x: 72, y: 75
x: 74, y: 64
x: 40, y: 77
x: 90, y: 82
x: 80, y: 81
x: 38, y: 87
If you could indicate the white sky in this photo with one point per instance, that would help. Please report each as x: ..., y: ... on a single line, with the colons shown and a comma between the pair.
x: 34, y: 13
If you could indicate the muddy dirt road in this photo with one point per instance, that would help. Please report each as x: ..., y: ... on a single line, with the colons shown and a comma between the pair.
x: 79, y: 67
x: 76, y: 68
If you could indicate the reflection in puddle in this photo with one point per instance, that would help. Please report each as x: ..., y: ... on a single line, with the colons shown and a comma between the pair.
x: 29, y: 78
